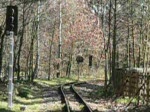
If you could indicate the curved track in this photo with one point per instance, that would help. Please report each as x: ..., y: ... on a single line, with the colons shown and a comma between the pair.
x: 69, y: 94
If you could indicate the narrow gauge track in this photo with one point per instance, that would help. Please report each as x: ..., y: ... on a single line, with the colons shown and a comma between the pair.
x: 68, y: 95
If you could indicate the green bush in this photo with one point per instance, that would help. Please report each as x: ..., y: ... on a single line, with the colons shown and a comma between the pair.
x: 23, y: 91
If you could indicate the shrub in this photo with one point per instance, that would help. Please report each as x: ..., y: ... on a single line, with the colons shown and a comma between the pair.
x: 23, y: 91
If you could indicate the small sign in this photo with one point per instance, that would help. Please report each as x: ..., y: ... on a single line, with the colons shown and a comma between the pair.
x: 79, y: 59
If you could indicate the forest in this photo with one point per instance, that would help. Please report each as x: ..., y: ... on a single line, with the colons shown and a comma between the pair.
x: 75, y: 56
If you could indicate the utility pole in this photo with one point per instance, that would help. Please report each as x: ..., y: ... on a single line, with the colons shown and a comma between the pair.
x: 11, y: 30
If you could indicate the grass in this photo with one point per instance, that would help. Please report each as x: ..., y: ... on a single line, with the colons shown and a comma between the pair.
x: 53, y: 82
x: 24, y: 93
x: 63, y: 80
x: 126, y: 100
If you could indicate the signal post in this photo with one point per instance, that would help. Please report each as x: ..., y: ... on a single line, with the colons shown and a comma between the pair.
x: 11, y: 30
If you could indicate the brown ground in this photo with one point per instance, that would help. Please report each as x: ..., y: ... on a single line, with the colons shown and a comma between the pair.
x: 98, y: 104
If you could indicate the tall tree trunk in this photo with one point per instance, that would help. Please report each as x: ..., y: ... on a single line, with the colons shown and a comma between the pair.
x: 21, y: 43
x: 38, y: 42
x: 117, y: 57
x: 141, y: 38
x: 68, y: 71
x: 27, y: 67
x: 109, y: 36
x: 128, y: 41
x: 50, y: 50
x: 34, y: 36
x: 60, y: 39
x: 1, y: 49
x: 31, y: 75
x: 132, y: 31
x: 114, y: 48
x: 107, y: 46
x: 128, y: 47
x: 139, y: 56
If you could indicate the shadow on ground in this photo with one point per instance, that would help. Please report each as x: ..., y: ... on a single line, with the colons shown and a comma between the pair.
x: 4, y: 110
x: 139, y: 109
x: 94, y: 92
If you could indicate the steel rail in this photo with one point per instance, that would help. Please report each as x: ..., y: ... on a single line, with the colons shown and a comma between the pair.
x: 86, y: 106
x: 64, y: 100
x: 67, y: 107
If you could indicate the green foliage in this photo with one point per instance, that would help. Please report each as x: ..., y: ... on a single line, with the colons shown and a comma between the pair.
x: 4, y: 110
x: 126, y: 100
x: 102, y: 93
x: 23, y: 91
x: 3, y: 93
x: 109, y: 93
x: 3, y: 97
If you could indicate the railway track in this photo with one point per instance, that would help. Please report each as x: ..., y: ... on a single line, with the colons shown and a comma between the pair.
x: 72, y: 100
